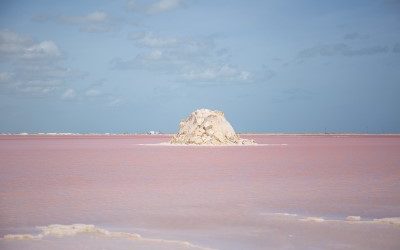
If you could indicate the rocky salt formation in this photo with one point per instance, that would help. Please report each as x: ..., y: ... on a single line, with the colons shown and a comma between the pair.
x: 207, y: 127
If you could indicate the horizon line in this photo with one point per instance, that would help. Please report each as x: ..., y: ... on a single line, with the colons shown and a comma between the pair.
x: 170, y: 134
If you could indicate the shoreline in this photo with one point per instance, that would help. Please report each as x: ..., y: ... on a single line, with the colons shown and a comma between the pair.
x: 167, y: 134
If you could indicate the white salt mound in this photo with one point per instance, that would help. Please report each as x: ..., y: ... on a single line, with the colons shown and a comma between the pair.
x: 207, y: 127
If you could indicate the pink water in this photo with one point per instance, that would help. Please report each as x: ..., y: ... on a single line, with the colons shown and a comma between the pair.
x: 217, y: 197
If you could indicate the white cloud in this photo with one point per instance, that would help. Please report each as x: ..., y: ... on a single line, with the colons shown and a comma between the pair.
x: 154, y: 55
x: 148, y: 39
x: 114, y: 101
x: 164, y: 5
x: 69, y: 94
x: 217, y: 73
x: 97, y: 21
x: 98, y: 93
x: 187, y: 58
x: 36, y: 87
x: 92, y: 92
x: 93, y: 17
x: 154, y: 7
x: 172, y: 52
x: 33, y: 68
x: 5, y: 77
x: 94, y: 22
x: 97, y: 16
x: 42, y: 50
x: 17, y: 46
x: 131, y: 5
x: 340, y: 49
x: 29, y: 84
x: 12, y: 43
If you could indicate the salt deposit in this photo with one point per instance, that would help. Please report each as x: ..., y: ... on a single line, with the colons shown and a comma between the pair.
x: 59, y: 231
x: 207, y: 127
x: 353, y: 218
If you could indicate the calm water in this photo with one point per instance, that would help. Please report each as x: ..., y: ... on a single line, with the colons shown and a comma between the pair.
x: 232, y: 197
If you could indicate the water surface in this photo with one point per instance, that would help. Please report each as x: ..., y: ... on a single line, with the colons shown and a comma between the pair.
x: 235, y: 197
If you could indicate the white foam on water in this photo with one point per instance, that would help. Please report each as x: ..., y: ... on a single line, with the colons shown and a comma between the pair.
x: 395, y: 221
x: 392, y: 221
x: 280, y: 214
x: 353, y: 218
x: 313, y: 219
x: 60, y: 231
x: 349, y: 219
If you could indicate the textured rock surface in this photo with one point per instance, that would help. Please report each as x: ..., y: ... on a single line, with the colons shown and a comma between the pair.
x: 208, y: 127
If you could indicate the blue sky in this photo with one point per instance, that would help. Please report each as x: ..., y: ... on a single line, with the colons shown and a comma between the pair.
x: 134, y: 66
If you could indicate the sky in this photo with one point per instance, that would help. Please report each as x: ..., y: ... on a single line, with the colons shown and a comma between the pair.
x: 110, y: 66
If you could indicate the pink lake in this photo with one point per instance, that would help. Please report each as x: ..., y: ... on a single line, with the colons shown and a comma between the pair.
x: 289, y: 192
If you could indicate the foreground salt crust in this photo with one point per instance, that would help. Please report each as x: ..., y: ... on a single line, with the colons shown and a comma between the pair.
x: 59, y: 231
x: 207, y: 127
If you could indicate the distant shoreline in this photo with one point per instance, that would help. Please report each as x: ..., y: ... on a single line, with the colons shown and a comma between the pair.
x: 171, y: 134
